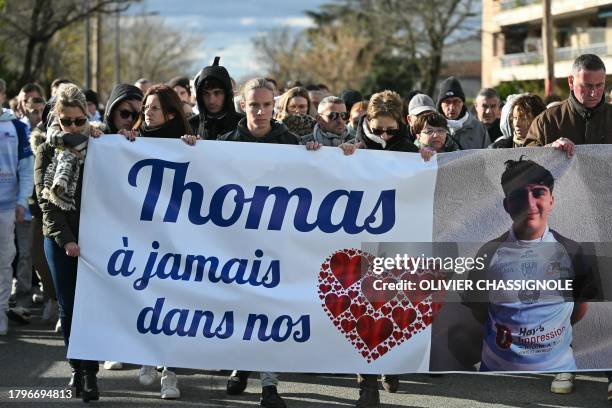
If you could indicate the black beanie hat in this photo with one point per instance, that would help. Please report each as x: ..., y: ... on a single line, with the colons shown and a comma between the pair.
x: 450, y: 87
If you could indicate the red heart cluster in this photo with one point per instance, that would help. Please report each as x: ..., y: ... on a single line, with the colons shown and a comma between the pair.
x: 374, y: 321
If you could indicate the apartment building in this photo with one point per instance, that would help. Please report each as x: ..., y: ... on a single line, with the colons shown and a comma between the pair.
x: 512, y: 37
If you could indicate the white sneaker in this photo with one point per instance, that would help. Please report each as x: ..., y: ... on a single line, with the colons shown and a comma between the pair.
x: 169, y: 385
x: 50, y: 311
x: 3, y: 323
x: 58, y: 326
x: 147, y: 375
x: 563, y: 383
x: 113, y: 365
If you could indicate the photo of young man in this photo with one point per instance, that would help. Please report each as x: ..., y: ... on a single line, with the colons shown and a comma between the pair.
x: 531, y: 329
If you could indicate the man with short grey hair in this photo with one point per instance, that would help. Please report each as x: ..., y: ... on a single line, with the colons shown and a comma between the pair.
x: 584, y: 118
x: 330, y: 129
x: 488, y: 109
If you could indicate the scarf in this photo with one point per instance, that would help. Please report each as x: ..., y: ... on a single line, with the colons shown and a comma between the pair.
x: 455, y: 125
x: 62, y: 175
x: 372, y: 136
x: 328, y: 138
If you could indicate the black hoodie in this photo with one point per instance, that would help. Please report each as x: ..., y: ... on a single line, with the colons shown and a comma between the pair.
x: 279, y: 134
x: 120, y: 93
x: 206, y: 126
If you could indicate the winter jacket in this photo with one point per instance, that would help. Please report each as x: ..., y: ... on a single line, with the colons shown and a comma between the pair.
x: 279, y: 134
x: 205, y: 125
x: 494, y: 131
x: 472, y: 135
x: 172, y: 129
x: 16, y: 162
x: 573, y: 121
x: 120, y: 93
x: 400, y: 143
x: 62, y: 226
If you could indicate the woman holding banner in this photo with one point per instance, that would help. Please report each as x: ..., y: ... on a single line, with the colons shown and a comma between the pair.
x: 58, y: 177
x: 161, y: 116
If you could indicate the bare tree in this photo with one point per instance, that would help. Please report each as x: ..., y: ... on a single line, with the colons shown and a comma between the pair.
x: 31, y: 24
x: 152, y: 49
x: 412, y: 32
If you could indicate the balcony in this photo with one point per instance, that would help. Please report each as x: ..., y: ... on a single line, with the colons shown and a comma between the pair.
x: 525, y: 11
x: 530, y: 65
x: 512, y: 4
x: 561, y: 54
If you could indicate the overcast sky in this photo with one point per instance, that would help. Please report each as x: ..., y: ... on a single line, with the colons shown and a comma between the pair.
x: 228, y: 26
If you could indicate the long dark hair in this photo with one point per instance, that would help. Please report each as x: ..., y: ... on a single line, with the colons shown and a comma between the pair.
x: 170, y: 104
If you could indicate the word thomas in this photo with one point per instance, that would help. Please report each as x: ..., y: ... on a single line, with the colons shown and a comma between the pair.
x: 350, y: 202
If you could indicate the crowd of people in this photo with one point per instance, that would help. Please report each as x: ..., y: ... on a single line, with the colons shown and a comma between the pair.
x: 43, y: 147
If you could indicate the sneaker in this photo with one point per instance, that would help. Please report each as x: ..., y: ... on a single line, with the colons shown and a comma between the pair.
x: 237, y: 382
x: 58, y: 326
x: 3, y: 324
x: 368, y: 398
x: 563, y: 383
x: 270, y: 398
x: 390, y: 383
x: 50, y: 311
x: 169, y: 385
x: 147, y: 375
x: 113, y: 365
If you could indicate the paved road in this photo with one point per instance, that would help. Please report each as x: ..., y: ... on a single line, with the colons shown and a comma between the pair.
x: 32, y: 357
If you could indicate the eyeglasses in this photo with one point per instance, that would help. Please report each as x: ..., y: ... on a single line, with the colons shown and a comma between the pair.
x: 431, y: 132
x: 124, y: 113
x: 388, y: 131
x: 336, y: 115
x: 68, y: 121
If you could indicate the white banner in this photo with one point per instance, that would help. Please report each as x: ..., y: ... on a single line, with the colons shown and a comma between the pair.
x: 247, y: 256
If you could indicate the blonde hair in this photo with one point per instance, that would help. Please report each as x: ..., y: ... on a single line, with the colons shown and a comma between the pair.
x: 69, y: 95
x: 256, y: 83
x: 283, y: 103
x: 385, y: 103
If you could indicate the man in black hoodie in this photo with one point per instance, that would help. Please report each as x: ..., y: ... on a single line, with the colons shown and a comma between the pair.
x: 258, y: 127
x: 122, y: 108
x: 215, y: 99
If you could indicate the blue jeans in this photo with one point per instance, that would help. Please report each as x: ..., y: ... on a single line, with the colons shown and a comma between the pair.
x: 63, y: 270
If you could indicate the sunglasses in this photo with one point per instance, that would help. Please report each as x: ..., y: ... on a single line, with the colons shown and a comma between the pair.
x: 68, y: 122
x: 388, y: 131
x: 336, y: 115
x: 124, y: 113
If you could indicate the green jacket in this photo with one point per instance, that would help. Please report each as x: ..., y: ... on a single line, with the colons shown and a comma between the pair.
x: 62, y: 226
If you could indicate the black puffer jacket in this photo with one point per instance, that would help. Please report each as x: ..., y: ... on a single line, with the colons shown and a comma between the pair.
x: 120, y: 93
x: 279, y: 134
x: 400, y: 143
x: 211, y: 127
